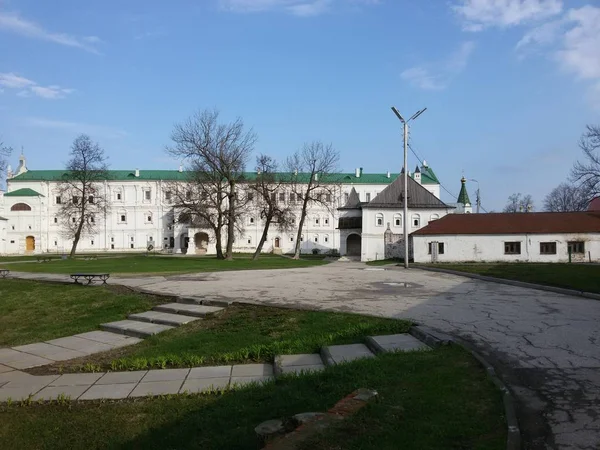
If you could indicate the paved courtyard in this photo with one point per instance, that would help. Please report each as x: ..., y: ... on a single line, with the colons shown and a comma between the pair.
x: 545, y: 345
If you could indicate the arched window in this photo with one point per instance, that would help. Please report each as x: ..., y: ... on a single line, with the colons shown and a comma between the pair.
x: 316, y: 221
x: 397, y: 220
x: 326, y: 238
x: 316, y: 238
x: 434, y: 217
x: 379, y: 219
x: 416, y: 220
x: 149, y: 217
x: 20, y: 207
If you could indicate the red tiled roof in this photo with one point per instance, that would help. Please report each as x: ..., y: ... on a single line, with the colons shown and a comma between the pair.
x: 514, y: 223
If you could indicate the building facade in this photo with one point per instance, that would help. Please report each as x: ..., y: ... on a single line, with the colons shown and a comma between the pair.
x: 141, y: 215
x: 514, y: 237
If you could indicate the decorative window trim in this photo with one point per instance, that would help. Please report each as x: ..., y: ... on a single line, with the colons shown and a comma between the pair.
x: 379, y: 219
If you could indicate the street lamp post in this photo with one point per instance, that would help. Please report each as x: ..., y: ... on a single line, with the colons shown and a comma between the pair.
x: 405, y: 221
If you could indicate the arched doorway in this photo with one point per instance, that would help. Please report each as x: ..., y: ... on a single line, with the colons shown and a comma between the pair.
x: 29, y: 243
x: 183, y: 242
x: 277, y: 242
x: 201, y: 243
x: 353, y: 245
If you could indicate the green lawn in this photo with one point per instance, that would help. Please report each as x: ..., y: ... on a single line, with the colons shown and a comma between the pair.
x: 239, y: 334
x: 163, y: 264
x: 582, y: 277
x: 35, y: 311
x: 428, y: 400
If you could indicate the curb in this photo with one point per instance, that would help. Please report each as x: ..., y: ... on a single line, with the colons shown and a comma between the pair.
x: 435, y: 339
x: 540, y: 287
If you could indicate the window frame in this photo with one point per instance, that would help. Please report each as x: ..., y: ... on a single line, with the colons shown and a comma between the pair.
x: 544, y: 248
x: 512, y: 247
x: 415, y: 218
x: 379, y: 217
x: 577, y: 245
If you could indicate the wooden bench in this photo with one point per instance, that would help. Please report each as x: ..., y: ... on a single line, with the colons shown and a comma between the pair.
x: 89, y: 277
x: 42, y: 259
x: 4, y: 273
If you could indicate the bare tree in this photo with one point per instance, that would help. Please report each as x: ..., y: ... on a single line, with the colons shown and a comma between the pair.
x: 586, y: 173
x: 217, y: 154
x: 4, y: 154
x: 566, y: 197
x: 83, y: 201
x: 519, y: 203
x: 313, y: 179
x: 267, y: 187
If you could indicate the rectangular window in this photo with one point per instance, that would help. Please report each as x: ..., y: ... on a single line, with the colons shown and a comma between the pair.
x: 440, y: 248
x: 188, y: 195
x: 282, y: 197
x: 251, y: 220
x: 326, y: 238
x: 123, y: 218
x: 576, y: 247
x: 328, y: 198
x: 250, y: 196
x: 326, y: 221
x: 273, y: 197
x: 56, y: 220
x: 151, y: 239
x: 292, y: 198
x: 547, y: 248
x: 73, y: 219
x: 112, y: 239
x: 92, y: 220
x: 368, y: 197
x: 75, y: 200
x: 168, y: 196
x: 149, y: 218
x: 112, y: 246
x: 131, y: 246
x: 316, y: 221
x: 55, y: 243
x: 131, y: 238
x: 91, y: 242
x: 58, y: 200
x: 316, y: 238
x: 91, y: 199
x: 148, y: 195
x: 319, y: 197
x: 512, y: 248
x: 12, y: 242
x: 292, y: 239
x: 119, y: 196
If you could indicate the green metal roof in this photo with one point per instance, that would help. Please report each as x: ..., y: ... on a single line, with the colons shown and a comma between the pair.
x: 463, y: 196
x: 175, y: 175
x: 25, y: 192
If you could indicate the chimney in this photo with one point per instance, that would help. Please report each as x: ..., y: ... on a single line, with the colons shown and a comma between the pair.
x: 357, y: 172
x: 137, y: 173
x: 361, y: 171
x: 388, y: 174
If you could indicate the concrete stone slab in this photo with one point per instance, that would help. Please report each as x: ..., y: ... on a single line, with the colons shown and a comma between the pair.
x: 8, y: 354
x: 122, y: 377
x: 4, y: 369
x: 165, y: 375
x: 252, y: 370
x: 135, y: 328
x: 162, y: 318
x: 399, y: 342
x: 303, y: 369
x: 346, y: 353
x: 53, y: 392
x: 27, y: 361
x: 85, y: 346
x: 242, y: 381
x: 49, y: 351
x: 16, y: 393
x: 156, y: 388
x: 14, y: 375
x: 299, y: 360
x: 32, y: 382
x: 204, y: 384
x: 188, y: 309
x: 77, y: 379
x: 210, y: 372
x: 105, y: 337
x: 108, y: 391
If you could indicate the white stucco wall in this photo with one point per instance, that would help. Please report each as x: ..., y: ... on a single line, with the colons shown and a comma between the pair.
x: 490, y: 248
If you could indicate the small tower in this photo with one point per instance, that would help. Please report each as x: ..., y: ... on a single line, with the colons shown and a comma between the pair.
x: 417, y: 175
x: 464, y: 203
x: 22, y: 165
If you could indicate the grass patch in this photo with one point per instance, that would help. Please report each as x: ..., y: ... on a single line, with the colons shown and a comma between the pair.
x: 35, y: 311
x: 581, y: 277
x: 428, y: 400
x: 385, y: 262
x: 133, y: 264
x: 239, y: 334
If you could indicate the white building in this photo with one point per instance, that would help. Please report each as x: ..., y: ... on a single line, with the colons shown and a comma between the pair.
x: 141, y: 214
x: 514, y: 237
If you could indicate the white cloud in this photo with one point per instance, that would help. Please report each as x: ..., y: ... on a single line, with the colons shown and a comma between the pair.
x: 302, y: 8
x: 438, y: 76
x: 76, y: 127
x: 480, y: 14
x: 28, y: 87
x: 573, y: 41
x: 11, y: 22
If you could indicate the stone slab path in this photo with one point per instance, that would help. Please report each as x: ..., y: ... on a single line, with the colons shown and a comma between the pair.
x: 16, y: 385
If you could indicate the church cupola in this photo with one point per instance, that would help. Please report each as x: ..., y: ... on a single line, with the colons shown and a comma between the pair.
x: 417, y: 175
x: 22, y: 165
x: 464, y: 203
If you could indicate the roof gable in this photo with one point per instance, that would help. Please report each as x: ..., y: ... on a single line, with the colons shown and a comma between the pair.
x: 25, y: 192
x: 514, y: 223
x: 393, y: 196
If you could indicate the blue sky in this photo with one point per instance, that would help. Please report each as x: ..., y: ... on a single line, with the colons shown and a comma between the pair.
x: 509, y: 84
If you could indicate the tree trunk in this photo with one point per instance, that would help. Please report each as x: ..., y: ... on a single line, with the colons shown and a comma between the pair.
x: 218, y: 245
x: 301, y: 225
x: 230, y: 222
x: 76, y: 237
x: 263, y: 238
